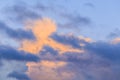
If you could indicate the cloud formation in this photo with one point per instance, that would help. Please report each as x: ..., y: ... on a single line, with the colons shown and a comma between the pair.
x: 114, y: 34
x: 9, y: 53
x: 48, y: 70
x: 95, y: 59
x: 76, y: 21
x: 52, y: 56
x: 45, y: 54
x: 43, y: 38
x: 17, y: 34
x: 22, y: 12
x: 18, y: 76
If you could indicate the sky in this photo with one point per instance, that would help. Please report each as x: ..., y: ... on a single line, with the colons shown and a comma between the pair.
x: 59, y: 40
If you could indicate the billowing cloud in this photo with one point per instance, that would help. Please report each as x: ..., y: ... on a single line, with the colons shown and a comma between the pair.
x: 49, y: 70
x: 42, y: 30
x: 100, y: 61
x: 98, y: 57
x: 54, y: 56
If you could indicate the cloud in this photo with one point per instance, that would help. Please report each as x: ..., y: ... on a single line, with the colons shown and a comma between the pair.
x: 17, y: 34
x: 89, y: 5
x: 48, y: 27
x: 96, y: 59
x: 19, y: 76
x: 114, y: 34
x: 116, y: 40
x: 45, y: 45
x: 21, y: 12
x: 44, y: 8
x: 13, y: 60
x: 48, y: 70
x: 62, y: 57
x: 74, y: 21
x: 9, y: 53
x: 105, y: 50
x: 71, y: 40
x: 74, y: 66
x: 10, y: 66
x: 100, y: 61
x: 49, y: 55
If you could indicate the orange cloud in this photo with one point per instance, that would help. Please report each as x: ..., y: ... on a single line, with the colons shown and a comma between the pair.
x: 116, y: 40
x: 48, y: 64
x: 85, y: 39
x: 49, y: 70
x: 42, y: 29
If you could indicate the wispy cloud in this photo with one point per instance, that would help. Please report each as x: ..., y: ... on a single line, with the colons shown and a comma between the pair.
x: 9, y: 53
x: 21, y: 12
x: 75, y: 21
x: 17, y: 34
x: 89, y: 4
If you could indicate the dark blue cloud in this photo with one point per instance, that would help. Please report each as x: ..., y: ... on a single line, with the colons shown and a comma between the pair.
x: 9, y: 53
x: 16, y: 34
x: 19, y: 76
x: 101, y: 49
x: 69, y: 40
x: 105, y: 50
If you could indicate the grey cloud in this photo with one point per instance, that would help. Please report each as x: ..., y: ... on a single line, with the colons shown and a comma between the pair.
x: 22, y: 12
x: 105, y: 50
x: 69, y: 40
x: 74, y: 21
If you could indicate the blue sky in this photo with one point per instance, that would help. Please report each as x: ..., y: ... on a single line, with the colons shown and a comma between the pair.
x: 59, y: 40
